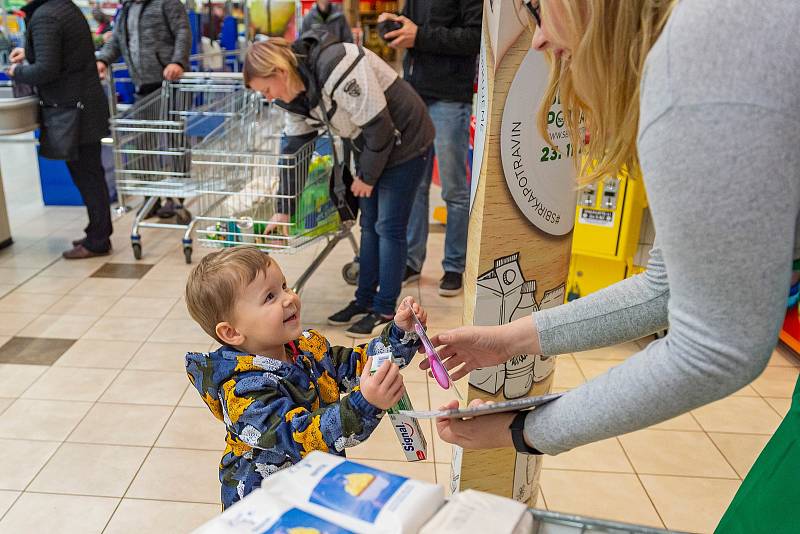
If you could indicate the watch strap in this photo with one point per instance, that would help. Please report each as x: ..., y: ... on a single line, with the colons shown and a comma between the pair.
x: 518, y: 434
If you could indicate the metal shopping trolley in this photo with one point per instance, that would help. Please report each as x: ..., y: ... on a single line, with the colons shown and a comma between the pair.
x: 153, y: 140
x: 250, y: 193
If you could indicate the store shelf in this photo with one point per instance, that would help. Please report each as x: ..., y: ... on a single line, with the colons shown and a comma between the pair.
x: 790, y: 333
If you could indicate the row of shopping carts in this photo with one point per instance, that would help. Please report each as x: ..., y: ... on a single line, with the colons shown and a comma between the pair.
x: 215, y: 147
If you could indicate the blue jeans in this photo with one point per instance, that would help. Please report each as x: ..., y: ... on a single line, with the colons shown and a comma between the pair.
x: 451, y: 120
x: 384, y: 221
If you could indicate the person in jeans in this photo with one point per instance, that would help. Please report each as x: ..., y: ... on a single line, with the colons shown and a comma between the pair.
x: 442, y: 39
x: 320, y: 80
x: 60, y: 55
x: 155, y: 40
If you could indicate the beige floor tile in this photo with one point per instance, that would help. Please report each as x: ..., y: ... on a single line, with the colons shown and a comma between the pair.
x: 16, y: 275
x: 41, y: 419
x: 690, y: 504
x: 29, y: 260
x: 191, y: 398
x: 429, y: 296
x: 5, y: 403
x: 163, y: 271
x: 594, y: 368
x: 741, y: 450
x: 12, y: 323
x: 606, y: 455
x: 614, y: 496
x: 383, y: 444
x: 425, y: 471
x: 121, y: 424
x: 103, y: 287
x: 21, y: 459
x: 94, y: 306
x: 179, y: 311
x: 442, y: 451
x: 783, y: 356
x: 58, y: 326
x: 682, y: 422
x: 777, y: 382
x: 71, y: 384
x: 746, y: 391
x: 779, y: 405
x: 615, y: 352
x: 157, y: 288
x: 5, y: 289
x: 83, y: 469
x: 179, y: 331
x: 7, y: 498
x: 179, y: 475
x: 442, y: 472
x: 15, y: 379
x: 668, y: 452
x: 444, y: 317
x: 65, y: 514
x: 153, y: 356
x: 122, y: 328
x: 49, y: 285
x: 98, y: 353
x: 135, y: 516
x: 747, y: 415
x: 193, y: 428
x: 146, y: 387
x: 567, y: 373
x: 74, y: 269
x: 16, y: 303
x: 412, y: 372
x: 148, y: 308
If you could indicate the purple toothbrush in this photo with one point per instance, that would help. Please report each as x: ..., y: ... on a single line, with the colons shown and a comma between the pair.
x: 438, y: 370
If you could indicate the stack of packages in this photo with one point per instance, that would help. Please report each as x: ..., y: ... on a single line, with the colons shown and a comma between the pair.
x: 328, y: 494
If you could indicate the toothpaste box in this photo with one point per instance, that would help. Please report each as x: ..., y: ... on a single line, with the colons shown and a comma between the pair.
x: 407, y: 428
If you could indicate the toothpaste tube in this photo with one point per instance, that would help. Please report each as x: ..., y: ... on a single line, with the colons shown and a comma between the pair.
x: 407, y: 428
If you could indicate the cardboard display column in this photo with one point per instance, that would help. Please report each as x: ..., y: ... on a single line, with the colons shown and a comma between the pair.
x: 523, y: 209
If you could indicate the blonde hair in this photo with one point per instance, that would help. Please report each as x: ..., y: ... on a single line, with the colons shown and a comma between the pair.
x: 218, y: 280
x: 267, y: 58
x: 598, y: 83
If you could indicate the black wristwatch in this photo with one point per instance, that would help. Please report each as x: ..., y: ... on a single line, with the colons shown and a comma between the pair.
x: 517, y: 427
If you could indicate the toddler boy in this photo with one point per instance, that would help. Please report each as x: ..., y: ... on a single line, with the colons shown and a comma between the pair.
x: 275, y: 386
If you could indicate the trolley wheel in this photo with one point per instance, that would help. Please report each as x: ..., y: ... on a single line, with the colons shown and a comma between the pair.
x: 187, y: 253
x: 183, y: 216
x: 350, y: 272
x: 137, y: 250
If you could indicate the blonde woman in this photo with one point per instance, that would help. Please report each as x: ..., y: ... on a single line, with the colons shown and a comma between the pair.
x: 704, y: 97
x: 323, y: 82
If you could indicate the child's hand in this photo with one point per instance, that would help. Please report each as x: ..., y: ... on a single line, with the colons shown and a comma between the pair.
x: 403, y: 317
x: 383, y: 389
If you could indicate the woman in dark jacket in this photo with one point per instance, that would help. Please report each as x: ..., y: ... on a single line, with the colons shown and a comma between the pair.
x: 60, y: 53
x: 369, y: 106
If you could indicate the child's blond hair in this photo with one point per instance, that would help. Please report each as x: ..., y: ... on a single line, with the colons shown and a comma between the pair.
x: 218, y: 280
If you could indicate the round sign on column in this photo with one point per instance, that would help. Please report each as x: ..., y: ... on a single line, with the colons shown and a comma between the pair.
x: 540, y: 177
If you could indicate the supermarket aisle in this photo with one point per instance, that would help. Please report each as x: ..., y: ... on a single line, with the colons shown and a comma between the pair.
x: 100, y: 430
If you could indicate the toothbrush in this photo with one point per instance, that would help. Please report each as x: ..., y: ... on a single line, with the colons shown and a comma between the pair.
x: 438, y: 369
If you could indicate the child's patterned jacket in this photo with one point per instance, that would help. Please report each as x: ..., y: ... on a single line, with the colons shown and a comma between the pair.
x: 276, y: 413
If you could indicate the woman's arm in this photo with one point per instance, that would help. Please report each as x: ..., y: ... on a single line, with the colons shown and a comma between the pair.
x: 46, y: 39
x: 728, y: 240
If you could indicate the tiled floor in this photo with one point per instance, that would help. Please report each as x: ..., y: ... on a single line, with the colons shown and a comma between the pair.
x: 101, y: 432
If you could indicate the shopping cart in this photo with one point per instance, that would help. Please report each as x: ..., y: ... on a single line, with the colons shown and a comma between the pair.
x: 153, y: 140
x: 244, y: 183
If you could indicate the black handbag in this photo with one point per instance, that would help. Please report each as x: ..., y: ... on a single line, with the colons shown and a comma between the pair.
x: 60, y: 130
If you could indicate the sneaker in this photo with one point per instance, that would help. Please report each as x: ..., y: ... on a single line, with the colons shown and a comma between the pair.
x: 451, y: 284
x: 79, y: 252
x: 350, y: 314
x: 168, y: 210
x: 367, y: 325
x: 410, y: 276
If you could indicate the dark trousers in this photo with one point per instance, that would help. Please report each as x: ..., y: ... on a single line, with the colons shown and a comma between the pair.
x: 89, y: 177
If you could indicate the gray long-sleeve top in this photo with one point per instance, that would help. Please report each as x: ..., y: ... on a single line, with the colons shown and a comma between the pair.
x: 719, y: 144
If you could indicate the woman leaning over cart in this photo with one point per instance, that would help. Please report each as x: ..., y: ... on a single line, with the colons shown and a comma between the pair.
x: 324, y: 83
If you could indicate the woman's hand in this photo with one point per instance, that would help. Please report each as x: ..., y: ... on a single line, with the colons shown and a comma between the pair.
x: 471, y: 347
x: 172, y: 72
x: 403, y: 317
x: 17, y: 55
x: 484, y: 432
x: 10, y: 70
x: 360, y: 188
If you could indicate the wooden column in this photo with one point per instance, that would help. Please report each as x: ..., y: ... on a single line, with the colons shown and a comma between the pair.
x: 519, y: 233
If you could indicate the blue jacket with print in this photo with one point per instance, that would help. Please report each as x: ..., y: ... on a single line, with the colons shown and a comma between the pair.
x: 275, y: 413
